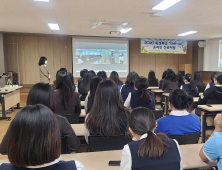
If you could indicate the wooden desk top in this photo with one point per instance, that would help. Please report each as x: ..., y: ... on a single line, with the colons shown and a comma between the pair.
x: 82, y: 103
x: 83, y: 113
x: 79, y: 129
x: 100, y: 160
x: 214, y: 108
x: 10, y: 89
x: 195, y: 99
x: 157, y: 91
x: 152, y: 88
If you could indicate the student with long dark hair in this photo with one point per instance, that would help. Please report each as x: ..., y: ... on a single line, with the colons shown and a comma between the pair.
x: 93, y: 72
x: 104, y: 76
x: 153, y: 81
x: 198, y: 81
x: 179, y: 121
x: 141, y: 97
x: 34, y: 141
x: 129, y: 85
x: 72, y: 80
x: 108, y: 116
x: 67, y: 100
x: 42, y: 93
x: 180, y: 80
x: 163, y: 77
x: 212, y: 80
x: 82, y: 72
x: 84, y: 86
x: 92, y: 91
x: 170, y: 82
x: 44, y: 72
x: 115, y: 77
x: 148, y: 150
x: 189, y: 86
x: 182, y: 72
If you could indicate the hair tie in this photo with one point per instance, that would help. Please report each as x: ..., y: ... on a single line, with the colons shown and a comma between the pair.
x: 149, y: 131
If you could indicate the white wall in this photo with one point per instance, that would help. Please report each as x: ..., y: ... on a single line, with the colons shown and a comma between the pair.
x: 211, y: 55
x: 2, y: 63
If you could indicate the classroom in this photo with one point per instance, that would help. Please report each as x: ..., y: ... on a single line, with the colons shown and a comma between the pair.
x: 122, y: 84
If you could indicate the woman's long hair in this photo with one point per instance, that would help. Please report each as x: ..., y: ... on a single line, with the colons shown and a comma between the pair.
x: 141, y: 83
x: 85, y: 84
x: 171, y: 75
x: 164, y: 74
x: 198, y: 81
x: 142, y: 121
x: 190, y: 79
x: 64, y: 84
x: 180, y: 80
x: 108, y: 114
x: 93, y: 86
x: 115, y: 77
x: 131, y: 77
x: 152, y: 77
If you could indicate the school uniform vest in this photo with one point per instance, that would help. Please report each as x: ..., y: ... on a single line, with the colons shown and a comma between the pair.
x: 136, y: 100
x: 169, y: 161
x: 70, y: 165
x: 186, y: 87
x: 126, y: 89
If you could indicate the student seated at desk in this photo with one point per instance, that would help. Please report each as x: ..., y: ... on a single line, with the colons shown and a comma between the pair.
x: 163, y: 77
x: 179, y: 121
x: 67, y: 100
x: 34, y: 142
x: 115, y: 77
x: 170, y: 82
x: 189, y: 86
x: 153, y: 81
x: 211, y: 151
x: 141, y: 97
x: 92, y: 91
x: 148, y: 150
x: 212, y: 80
x: 213, y: 93
x: 108, y: 116
x: 42, y: 93
x: 82, y: 72
x: 129, y: 85
x: 180, y: 80
x: 199, y: 82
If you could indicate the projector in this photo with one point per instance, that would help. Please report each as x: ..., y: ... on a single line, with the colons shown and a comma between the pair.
x: 115, y: 33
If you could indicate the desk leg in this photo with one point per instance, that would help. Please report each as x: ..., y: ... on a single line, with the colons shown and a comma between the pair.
x: 204, y: 127
x: 18, y: 106
x: 3, y: 108
x: 166, y: 105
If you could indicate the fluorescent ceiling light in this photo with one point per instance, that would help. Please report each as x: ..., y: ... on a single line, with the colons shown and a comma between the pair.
x: 187, y: 33
x: 165, y: 4
x: 125, y: 30
x: 42, y: 0
x: 54, y: 26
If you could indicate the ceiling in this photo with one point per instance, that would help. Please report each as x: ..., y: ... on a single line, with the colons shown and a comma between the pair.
x: 75, y: 17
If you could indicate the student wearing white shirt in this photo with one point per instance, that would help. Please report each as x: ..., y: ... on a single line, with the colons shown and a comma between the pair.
x: 148, y: 150
x: 35, y: 142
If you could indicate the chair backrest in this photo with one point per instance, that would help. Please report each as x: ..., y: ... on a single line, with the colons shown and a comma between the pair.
x: 158, y: 113
x: 215, y: 100
x: 73, y: 118
x: 187, y: 138
x: 194, y: 94
x: 64, y: 148
x: 103, y: 143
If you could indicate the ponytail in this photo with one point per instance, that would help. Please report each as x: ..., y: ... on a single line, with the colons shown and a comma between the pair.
x: 146, y: 96
x: 152, y: 147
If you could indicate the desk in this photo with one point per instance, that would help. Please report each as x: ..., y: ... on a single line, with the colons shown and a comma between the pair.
x: 157, y: 91
x: 79, y: 129
x: 211, y: 112
x: 83, y: 113
x: 9, y: 99
x: 99, y: 160
x: 153, y: 88
x: 82, y: 103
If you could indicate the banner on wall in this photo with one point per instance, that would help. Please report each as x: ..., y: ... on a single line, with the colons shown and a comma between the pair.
x: 163, y: 46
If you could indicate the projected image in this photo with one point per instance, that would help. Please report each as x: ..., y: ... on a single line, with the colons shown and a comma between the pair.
x: 220, y: 55
x: 103, y: 55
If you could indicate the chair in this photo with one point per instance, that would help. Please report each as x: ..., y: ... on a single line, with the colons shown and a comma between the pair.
x: 187, y: 138
x: 64, y: 149
x: 73, y: 118
x: 158, y: 113
x: 104, y: 143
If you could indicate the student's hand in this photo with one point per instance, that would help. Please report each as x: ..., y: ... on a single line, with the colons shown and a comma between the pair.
x: 217, y: 123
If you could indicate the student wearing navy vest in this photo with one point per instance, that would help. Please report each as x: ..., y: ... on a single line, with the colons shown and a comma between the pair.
x: 189, y: 86
x: 141, y: 97
x: 211, y: 84
x: 108, y: 116
x: 179, y: 121
x: 34, y: 142
x: 148, y: 150
x: 129, y: 85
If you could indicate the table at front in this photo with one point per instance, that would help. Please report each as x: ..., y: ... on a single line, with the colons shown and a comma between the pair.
x: 100, y: 160
x: 208, y: 111
x: 9, y: 99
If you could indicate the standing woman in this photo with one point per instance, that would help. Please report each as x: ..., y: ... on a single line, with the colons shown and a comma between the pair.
x: 44, y: 72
